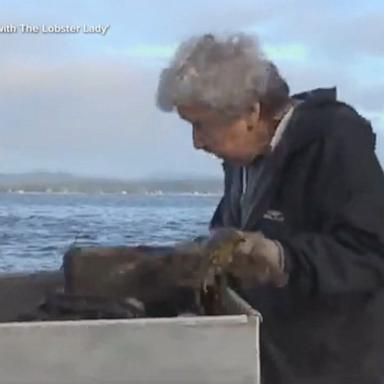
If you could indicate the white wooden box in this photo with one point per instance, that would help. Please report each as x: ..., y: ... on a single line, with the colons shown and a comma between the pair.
x: 190, y: 350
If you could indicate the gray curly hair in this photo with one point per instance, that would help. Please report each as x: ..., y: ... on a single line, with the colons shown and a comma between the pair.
x: 228, y: 74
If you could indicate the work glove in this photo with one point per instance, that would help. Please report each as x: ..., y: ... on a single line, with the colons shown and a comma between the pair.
x: 255, y: 259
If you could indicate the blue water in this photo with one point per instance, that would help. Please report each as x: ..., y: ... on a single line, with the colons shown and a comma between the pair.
x: 37, y: 229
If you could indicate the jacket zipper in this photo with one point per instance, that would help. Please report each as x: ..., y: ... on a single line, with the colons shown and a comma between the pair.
x: 243, y: 181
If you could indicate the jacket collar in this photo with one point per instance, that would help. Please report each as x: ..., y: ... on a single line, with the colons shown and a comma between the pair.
x: 296, y: 134
x: 305, y: 125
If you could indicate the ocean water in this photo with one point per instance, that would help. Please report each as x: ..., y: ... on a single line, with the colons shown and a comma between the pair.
x: 37, y: 229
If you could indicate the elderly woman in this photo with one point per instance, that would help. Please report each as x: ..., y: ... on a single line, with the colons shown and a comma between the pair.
x: 304, y: 187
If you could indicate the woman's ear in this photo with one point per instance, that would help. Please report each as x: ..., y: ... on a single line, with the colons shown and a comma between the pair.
x: 254, y: 116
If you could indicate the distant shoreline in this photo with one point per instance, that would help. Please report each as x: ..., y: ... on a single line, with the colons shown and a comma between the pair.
x: 150, y: 194
x: 61, y: 183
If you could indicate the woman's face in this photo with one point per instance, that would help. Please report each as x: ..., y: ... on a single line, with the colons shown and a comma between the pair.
x: 238, y: 140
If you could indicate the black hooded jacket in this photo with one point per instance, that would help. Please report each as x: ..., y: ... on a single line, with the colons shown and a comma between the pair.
x: 321, y: 194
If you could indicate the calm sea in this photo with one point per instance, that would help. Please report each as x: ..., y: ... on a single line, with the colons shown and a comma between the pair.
x: 36, y: 229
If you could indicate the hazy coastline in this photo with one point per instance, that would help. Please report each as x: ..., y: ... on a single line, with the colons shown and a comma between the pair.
x: 65, y: 183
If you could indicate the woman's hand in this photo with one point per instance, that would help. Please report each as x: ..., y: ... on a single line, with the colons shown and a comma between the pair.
x: 255, y: 259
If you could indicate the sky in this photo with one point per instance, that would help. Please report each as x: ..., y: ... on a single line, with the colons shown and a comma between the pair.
x: 85, y: 103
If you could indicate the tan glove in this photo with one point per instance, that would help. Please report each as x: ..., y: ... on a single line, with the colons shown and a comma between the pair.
x: 256, y: 259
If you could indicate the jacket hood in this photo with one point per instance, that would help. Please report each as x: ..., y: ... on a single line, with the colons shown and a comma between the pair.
x: 318, y: 95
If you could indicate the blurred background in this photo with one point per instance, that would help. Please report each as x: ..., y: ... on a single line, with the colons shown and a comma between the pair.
x: 84, y: 103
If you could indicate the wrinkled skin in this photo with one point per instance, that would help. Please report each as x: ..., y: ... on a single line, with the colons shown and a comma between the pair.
x: 235, y: 138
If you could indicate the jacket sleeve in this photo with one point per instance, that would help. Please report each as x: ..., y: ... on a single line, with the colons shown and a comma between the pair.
x: 347, y: 254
